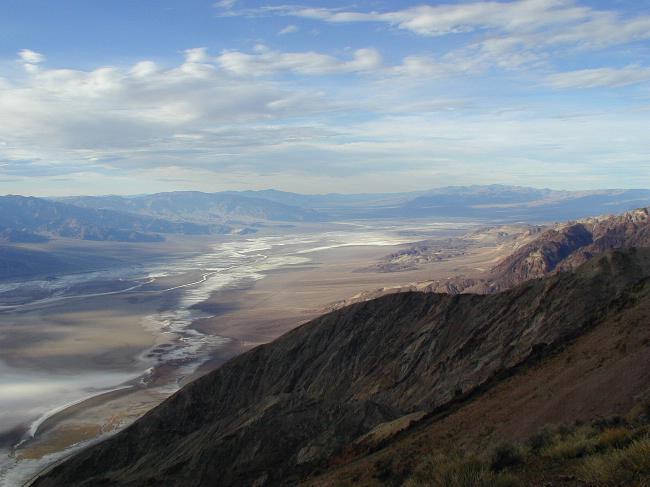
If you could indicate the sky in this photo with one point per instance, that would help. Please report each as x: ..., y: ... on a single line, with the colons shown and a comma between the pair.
x: 130, y: 97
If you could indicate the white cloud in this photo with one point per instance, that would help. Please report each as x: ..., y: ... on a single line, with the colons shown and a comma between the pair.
x: 211, y: 118
x: 600, y: 77
x: 507, y: 34
x: 225, y: 4
x: 602, y: 29
x: 197, y: 55
x: 289, y: 29
x: 563, y: 20
x: 32, y: 57
x: 422, y: 67
x: 143, y: 69
x: 265, y: 61
x: 428, y: 20
x: 129, y: 116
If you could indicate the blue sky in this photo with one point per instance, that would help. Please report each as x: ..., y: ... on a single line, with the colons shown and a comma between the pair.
x: 130, y: 96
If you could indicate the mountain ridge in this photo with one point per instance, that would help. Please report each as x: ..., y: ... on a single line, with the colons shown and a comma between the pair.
x: 281, y: 410
x: 479, y: 201
x: 557, y: 248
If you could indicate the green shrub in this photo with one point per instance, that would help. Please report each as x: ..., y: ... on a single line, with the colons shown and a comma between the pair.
x: 614, y: 438
x: 610, y: 422
x: 506, y: 455
x: 540, y: 440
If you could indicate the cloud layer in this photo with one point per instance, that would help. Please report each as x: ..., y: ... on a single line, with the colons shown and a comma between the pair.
x: 541, y: 92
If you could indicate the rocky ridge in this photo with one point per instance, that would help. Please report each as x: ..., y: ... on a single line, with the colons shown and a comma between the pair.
x: 538, y: 252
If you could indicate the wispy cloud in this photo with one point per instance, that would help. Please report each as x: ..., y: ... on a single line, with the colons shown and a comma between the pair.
x: 565, y: 21
x: 600, y: 77
x: 225, y: 4
x: 265, y: 61
x: 289, y: 29
x: 29, y: 56
x: 505, y: 34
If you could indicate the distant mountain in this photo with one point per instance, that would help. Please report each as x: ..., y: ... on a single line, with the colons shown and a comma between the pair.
x: 477, y: 196
x: 141, y: 218
x: 494, y: 202
x: 29, y: 219
x: 513, y: 203
x: 331, y: 202
x: 195, y: 206
x: 337, y: 389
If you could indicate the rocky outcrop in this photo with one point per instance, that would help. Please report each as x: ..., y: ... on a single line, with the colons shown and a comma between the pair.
x: 568, y: 246
x: 281, y: 410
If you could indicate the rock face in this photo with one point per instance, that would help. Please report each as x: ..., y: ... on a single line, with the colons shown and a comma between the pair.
x: 552, y: 250
x: 568, y: 246
x: 561, y: 248
x: 279, y: 411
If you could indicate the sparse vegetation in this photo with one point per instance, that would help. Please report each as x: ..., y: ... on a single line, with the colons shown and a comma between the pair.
x: 540, y: 440
x: 459, y: 471
x: 506, y: 455
x: 618, y: 466
x: 612, y: 452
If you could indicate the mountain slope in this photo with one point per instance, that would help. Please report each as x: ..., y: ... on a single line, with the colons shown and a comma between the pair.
x: 280, y: 411
x: 558, y: 413
x: 29, y: 217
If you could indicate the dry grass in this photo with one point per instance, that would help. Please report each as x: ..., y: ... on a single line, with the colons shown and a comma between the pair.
x: 606, y: 453
x: 576, y: 444
x: 618, y: 466
x: 443, y: 471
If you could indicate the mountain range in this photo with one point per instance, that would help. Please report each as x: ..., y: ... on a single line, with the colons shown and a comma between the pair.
x: 28, y: 219
x: 194, y: 206
x: 489, y: 202
x: 372, y: 393
x: 146, y: 218
x: 508, y: 203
